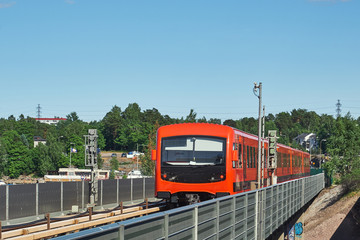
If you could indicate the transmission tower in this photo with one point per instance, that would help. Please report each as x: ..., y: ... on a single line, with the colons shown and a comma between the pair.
x: 338, y: 109
x: 38, y: 111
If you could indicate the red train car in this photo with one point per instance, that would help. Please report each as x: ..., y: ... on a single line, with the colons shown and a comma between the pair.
x: 200, y: 161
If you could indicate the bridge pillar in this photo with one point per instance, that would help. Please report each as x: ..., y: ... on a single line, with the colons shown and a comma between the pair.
x: 293, y: 229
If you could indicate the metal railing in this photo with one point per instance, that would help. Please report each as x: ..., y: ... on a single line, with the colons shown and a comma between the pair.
x: 31, y: 200
x: 250, y: 215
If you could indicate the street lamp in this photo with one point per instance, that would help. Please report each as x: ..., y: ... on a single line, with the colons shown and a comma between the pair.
x: 258, y: 94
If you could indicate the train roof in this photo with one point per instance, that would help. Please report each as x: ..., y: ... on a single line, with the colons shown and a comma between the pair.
x: 228, y: 128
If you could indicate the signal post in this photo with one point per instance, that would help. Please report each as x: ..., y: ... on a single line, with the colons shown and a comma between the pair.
x: 272, y: 156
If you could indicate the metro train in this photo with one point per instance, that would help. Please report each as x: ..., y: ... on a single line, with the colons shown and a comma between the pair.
x: 200, y: 161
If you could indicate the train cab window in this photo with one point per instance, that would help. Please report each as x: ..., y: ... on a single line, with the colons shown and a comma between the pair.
x: 193, y: 151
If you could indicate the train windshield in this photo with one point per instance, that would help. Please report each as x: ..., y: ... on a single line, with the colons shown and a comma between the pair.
x: 193, y: 151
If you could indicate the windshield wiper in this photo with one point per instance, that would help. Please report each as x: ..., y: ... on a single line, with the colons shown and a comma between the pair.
x: 191, y: 163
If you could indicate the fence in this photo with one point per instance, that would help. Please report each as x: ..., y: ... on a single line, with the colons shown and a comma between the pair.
x: 250, y: 215
x: 18, y: 201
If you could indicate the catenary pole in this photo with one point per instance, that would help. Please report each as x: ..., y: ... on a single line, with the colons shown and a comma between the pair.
x: 259, y: 132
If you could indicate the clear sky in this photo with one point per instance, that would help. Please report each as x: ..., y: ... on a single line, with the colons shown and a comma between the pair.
x: 175, y: 55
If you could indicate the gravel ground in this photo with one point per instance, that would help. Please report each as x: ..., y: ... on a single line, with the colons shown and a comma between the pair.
x: 330, y: 216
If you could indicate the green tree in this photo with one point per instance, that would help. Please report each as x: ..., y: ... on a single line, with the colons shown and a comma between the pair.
x: 148, y: 165
x: 191, y: 118
x: 344, y: 145
x: 18, y: 155
x: 114, y: 163
x: 111, y: 125
x: 100, y: 161
x: 132, y: 131
x: 42, y: 160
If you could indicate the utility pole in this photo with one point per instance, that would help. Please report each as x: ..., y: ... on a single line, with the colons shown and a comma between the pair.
x: 263, y: 150
x: 259, y: 133
x: 338, y: 109
x: 91, y: 161
x: 38, y: 112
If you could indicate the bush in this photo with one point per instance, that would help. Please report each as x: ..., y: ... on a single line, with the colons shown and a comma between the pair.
x: 352, y: 180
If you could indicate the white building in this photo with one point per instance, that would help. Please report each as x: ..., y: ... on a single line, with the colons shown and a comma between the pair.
x: 38, y: 139
x: 50, y: 121
x: 307, y: 140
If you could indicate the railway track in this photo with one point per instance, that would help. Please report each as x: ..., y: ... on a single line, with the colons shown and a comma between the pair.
x: 48, y: 228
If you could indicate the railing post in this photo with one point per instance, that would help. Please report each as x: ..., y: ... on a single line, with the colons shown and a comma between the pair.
x: 62, y: 197
x: 131, y: 190
x: 117, y: 191
x: 196, y: 222
x: 217, y: 218
x: 246, y: 213
x: 233, y: 217
x: 7, y: 203
x: 121, y: 232
x: 271, y: 209
x: 166, y: 226
x: 82, y: 194
x: 47, y: 216
x: 257, y: 205
x: 143, y: 188
x: 37, y: 200
x: 90, y: 209
x: 101, y: 193
x: 302, y: 192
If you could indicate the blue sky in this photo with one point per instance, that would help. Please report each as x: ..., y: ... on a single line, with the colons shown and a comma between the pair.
x: 175, y: 55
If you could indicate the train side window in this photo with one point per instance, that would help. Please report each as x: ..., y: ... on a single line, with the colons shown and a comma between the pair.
x: 288, y: 160
x: 265, y: 158
x: 297, y: 161
x: 253, y: 156
x: 250, y: 157
x: 279, y: 160
x: 256, y: 153
x: 247, y: 156
x: 240, y: 156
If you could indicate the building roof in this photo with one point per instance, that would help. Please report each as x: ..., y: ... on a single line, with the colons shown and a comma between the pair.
x: 59, y: 119
x: 38, y: 138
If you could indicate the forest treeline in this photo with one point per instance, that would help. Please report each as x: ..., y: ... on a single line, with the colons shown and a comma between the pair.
x: 134, y: 128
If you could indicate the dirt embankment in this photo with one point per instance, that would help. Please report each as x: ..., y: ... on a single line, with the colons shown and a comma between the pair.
x: 333, y: 216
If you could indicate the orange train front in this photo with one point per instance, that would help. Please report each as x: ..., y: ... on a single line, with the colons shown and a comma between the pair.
x: 201, y: 161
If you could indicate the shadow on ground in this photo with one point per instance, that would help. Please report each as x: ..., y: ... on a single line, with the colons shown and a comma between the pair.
x: 349, y: 229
